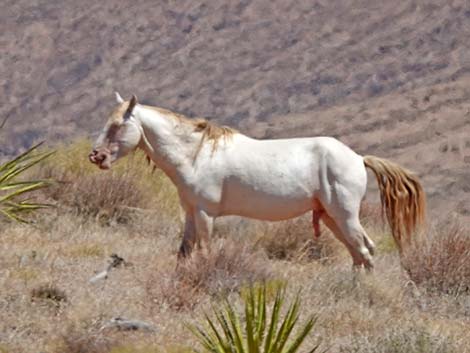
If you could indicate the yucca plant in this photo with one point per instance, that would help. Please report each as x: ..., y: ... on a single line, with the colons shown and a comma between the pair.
x: 13, y: 192
x: 260, y: 331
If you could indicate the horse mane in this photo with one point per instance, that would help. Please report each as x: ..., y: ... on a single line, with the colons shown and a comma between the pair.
x: 209, y: 131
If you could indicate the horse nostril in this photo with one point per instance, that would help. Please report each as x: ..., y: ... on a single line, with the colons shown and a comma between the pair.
x: 92, y: 156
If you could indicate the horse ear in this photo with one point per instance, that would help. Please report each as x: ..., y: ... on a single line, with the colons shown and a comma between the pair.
x: 118, y: 98
x: 130, y: 108
x: 132, y: 103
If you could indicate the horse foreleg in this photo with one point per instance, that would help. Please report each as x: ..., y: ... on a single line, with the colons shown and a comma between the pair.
x: 189, y: 237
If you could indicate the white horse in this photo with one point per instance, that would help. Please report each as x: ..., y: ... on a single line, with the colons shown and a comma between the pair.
x: 219, y: 171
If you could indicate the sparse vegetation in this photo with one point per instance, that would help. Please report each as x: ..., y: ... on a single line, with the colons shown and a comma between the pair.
x: 225, y: 269
x: 441, y: 262
x: 48, y: 303
x: 406, y: 339
x: 83, y: 190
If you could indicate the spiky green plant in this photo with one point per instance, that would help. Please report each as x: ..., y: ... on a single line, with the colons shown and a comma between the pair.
x: 262, y: 331
x: 14, y: 202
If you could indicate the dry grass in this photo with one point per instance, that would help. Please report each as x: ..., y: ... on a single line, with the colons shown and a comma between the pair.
x: 405, y: 338
x: 423, y: 309
x: 84, y: 190
x: 293, y: 240
x: 49, y: 293
x: 441, y: 262
x: 218, y: 273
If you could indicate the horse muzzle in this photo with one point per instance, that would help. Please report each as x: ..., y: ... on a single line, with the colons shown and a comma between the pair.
x: 101, y: 157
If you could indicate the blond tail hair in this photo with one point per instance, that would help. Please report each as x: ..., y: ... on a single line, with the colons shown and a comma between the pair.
x: 402, y: 197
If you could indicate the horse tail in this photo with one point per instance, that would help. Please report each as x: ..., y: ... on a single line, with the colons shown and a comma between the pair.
x: 402, y: 197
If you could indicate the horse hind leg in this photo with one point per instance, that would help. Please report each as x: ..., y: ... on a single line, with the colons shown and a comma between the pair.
x: 316, y: 216
x: 358, y: 260
x: 368, y: 242
x: 356, y: 236
x: 317, y: 213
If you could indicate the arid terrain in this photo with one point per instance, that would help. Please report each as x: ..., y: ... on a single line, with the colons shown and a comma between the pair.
x: 388, y: 78
x: 52, y: 301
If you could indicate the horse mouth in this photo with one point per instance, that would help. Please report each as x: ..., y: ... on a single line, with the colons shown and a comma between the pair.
x: 102, y: 158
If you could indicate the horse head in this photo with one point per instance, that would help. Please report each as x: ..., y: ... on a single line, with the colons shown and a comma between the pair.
x: 121, y: 134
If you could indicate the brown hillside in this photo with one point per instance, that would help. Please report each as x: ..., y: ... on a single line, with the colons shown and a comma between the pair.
x: 389, y: 78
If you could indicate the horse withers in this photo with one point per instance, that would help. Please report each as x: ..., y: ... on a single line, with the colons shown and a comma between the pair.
x: 219, y: 171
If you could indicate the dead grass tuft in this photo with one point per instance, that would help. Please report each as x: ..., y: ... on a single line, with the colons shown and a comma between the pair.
x: 78, y: 341
x: 50, y: 293
x: 441, y: 262
x: 86, y: 250
x: 225, y: 269
x: 101, y: 197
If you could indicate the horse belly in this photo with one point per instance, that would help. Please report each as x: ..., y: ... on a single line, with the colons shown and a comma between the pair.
x: 250, y: 203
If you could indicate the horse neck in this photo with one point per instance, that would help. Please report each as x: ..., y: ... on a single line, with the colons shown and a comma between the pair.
x: 169, y: 146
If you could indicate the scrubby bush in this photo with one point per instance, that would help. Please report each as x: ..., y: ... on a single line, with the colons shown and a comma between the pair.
x: 90, y: 193
x: 227, y: 267
x: 441, y: 262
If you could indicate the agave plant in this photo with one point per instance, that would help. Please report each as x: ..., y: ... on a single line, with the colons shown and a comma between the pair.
x: 262, y: 331
x: 13, y: 192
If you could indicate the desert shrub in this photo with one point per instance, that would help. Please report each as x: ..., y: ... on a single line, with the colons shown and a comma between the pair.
x: 441, y: 262
x: 86, y: 191
x: 226, y: 268
x: 102, y: 197
x: 259, y: 330
x: 293, y: 240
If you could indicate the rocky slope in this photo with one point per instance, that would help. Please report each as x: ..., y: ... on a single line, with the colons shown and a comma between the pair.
x: 388, y: 78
